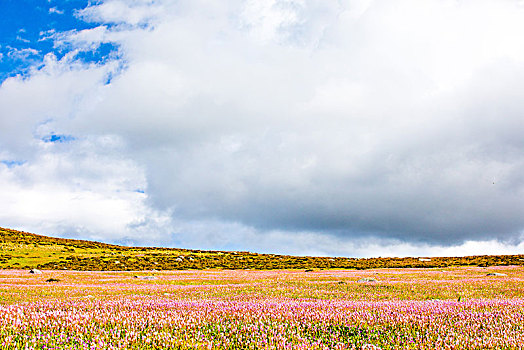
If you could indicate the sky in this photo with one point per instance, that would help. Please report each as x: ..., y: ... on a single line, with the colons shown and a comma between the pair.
x: 356, y: 128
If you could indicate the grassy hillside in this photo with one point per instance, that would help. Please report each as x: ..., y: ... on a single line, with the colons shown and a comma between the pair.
x: 22, y: 250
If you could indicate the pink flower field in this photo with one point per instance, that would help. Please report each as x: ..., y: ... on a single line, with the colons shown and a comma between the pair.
x: 456, y: 308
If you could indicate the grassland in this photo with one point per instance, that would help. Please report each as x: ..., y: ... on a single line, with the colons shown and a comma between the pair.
x: 22, y: 250
x: 444, y: 308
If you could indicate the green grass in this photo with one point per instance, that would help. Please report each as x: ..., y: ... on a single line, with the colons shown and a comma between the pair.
x: 22, y: 250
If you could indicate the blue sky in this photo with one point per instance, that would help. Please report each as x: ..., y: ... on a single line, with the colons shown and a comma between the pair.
x: 317, y: 127
x: 27, y: 29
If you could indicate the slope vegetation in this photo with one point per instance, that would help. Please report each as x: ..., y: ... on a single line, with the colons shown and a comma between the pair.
x: 22, y: 250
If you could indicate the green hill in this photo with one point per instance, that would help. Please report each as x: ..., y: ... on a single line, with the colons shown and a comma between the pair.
x: 22, y: 250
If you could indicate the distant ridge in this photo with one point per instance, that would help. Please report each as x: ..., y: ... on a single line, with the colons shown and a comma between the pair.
x: 23, y: 250
x: 21, y: 237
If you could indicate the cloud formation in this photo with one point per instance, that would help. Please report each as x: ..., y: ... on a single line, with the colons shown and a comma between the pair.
x: 255, y: 125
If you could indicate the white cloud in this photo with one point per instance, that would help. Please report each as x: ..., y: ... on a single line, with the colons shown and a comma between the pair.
x: 116, y: 11
x: 56, y: 11
x: 21, y: 54
x: 86, y: 39
x: 260, y: 124
x: 83, y: 190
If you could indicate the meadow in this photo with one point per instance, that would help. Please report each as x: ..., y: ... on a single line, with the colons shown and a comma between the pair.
x: 432, y: 308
